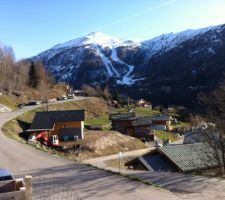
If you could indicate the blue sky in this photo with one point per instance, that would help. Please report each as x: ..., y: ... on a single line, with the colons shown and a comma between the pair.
x: 32, y: 26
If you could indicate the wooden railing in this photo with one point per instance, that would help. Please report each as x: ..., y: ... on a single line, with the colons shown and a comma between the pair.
x: 18, y: 189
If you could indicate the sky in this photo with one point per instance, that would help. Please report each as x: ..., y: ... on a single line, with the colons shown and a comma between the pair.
x: 32, y: 26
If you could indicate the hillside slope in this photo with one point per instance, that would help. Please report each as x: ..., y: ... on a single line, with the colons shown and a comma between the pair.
x: 95, y: 143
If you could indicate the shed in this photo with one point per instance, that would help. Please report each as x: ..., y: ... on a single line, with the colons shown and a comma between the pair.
x: 181, y: 158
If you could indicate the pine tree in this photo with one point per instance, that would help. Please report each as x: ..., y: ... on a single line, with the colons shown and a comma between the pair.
x: 33, y: 76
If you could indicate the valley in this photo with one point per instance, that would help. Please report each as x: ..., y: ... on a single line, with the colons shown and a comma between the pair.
x: 107, y: 100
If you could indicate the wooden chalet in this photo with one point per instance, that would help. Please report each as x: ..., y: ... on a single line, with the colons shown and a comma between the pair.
x: 121, y: 121
x: 141, y: 127
x: 130, y: 124
x: 67, y: 125
x: 161, y: 122
x: 144, y: 103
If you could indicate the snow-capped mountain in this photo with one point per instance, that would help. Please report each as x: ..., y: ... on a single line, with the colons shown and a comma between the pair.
x: 65, y: 60
x: 159, y: 65
x: 97, y: 38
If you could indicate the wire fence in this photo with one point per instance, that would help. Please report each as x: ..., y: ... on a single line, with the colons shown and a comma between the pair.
x: 44, y: 189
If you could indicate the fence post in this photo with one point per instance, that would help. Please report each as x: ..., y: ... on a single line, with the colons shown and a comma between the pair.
x: 28, y: 185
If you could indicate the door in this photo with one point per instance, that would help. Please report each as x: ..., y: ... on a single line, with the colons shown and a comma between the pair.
x: 55, y: 140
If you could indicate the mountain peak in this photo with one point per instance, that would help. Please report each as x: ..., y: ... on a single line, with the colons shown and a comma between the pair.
x: 97, y: 34
x: 102, y: 39
x: 94, y: 38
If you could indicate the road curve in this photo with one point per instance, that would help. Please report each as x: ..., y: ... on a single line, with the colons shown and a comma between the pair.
x: 88, y: 182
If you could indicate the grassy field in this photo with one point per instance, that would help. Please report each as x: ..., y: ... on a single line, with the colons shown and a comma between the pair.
x: 21, y: 123
x: 95, y: 143
x: 102, y: 120
x: 179, y: 124
x: 145, y: 111
x: 9, y: 101
x: 165, y: 135
x: 140, y: 111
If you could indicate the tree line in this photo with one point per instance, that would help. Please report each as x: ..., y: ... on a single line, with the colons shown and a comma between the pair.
x: 18, y: 76
x: 96, y: 91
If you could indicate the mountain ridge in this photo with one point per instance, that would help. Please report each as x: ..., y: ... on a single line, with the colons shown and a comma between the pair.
x: 123, y: 64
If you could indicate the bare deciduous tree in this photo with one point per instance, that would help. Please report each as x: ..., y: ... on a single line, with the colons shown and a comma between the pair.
x: 213, y: 105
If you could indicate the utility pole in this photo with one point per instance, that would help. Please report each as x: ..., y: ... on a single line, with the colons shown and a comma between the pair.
x: 120, y: 155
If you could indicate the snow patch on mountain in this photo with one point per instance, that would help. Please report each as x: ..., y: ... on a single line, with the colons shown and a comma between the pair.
x: 127, y: 79
x: 211, y: 50
x: 105, y: 60
x: 168, y: 41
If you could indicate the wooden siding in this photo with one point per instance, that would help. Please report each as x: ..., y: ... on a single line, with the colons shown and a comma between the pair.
x: 59, y: 125
x: 142, y: 132
x: 121, y: 126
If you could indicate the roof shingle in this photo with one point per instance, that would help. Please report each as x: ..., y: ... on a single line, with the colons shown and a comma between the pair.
x: 190, y: 157
x: 46, y: 120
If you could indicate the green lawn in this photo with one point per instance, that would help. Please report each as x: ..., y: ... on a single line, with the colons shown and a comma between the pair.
x: 164, y: 135
x: 102, y: 120
x: 179, y: 124
x: 140, y: 111
x: 145, y: 111
x: 7, y: 101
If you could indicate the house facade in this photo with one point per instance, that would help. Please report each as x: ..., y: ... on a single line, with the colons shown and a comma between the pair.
x: 130, y: 124
x: 67, y: 125
x: 161, y: 122
x: 140, y: 127
x: 122, y: 121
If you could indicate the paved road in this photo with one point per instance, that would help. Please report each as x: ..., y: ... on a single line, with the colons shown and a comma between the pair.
x: 100, y: 162
x: 50, y: 172
x: 188, y: 186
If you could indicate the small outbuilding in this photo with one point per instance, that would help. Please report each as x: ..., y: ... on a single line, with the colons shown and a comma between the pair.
x: 121, y: 121
x: 161, y: 122
x: 141, y: 128
x: 183, y: 158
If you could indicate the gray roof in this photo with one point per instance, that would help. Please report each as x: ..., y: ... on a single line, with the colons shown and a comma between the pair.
x: 142, y: 121
x: 190, y: 157
x: 46, y: 120
x: 161, y: 117
x: 123, y: 116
